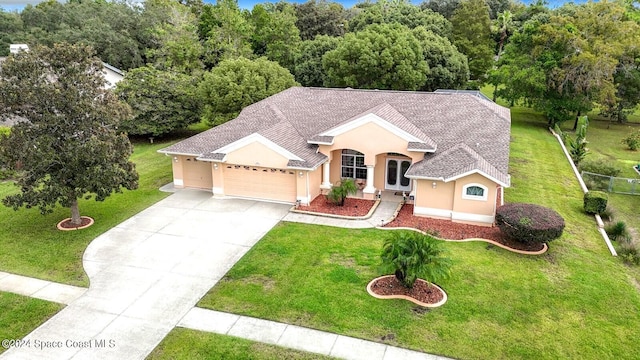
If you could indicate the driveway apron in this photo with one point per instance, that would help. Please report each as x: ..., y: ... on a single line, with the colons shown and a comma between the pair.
x: 147, y: 273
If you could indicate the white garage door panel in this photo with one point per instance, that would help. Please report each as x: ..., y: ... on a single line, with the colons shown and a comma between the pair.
x: 260, y: 183
x: 197, y: 174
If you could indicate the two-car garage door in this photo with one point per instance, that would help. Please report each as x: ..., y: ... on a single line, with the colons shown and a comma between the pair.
x: 260, y: 183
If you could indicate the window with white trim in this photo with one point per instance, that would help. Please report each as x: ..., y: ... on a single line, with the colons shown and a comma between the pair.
x: 475, y: 192
x: 353, y: 165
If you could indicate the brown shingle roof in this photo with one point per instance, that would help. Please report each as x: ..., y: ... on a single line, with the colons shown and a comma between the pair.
x: 297, y: 116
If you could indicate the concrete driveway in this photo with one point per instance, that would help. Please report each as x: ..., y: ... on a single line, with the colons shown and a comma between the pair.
x: 147, y: 273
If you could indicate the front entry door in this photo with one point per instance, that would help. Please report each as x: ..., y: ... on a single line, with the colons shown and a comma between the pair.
x: 395, y: 180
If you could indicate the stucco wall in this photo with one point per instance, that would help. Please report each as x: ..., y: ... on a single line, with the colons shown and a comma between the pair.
x: 446, y: 200
x: 480, y: 207
x: 178, y: 179
x: 217, y: 173
x: 439, y: 198
x: 257, y: 154
x: 315, y: 179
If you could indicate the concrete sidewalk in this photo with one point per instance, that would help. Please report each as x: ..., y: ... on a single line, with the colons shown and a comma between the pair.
x: 296, y: 337
x: 40, y: 289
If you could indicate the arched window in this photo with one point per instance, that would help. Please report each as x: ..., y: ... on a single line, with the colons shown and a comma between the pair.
x: 474, y: 192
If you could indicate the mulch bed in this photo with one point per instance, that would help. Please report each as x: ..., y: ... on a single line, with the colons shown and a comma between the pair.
x: 421, y: 291
x: 450, y: 230
x: 352, y: 206
x: 84, y: 221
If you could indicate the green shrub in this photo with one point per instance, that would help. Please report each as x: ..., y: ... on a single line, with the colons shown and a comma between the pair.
x: 629, y: 252
x: 4, y: 131
x: 617, y: 231
x: 601, y: 167
x: 340, y: 192
x: 633, y: 140
x: 412, y: 255
x: 608, y: 214
x: 595, y: 202
x: 529, y: 223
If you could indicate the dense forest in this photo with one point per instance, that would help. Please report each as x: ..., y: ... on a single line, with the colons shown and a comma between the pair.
x: 187, y: 61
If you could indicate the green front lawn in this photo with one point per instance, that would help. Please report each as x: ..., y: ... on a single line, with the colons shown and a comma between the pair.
x: 32, y: 246
x: 577, y: 301
x: 21, y: 314
x: 191, y: 344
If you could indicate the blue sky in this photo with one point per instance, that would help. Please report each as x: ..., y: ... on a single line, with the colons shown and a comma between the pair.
x: 17, y: 5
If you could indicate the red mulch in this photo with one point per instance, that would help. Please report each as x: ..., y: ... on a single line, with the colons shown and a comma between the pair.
x: 421, y: 291
x: 352, y: 206
x: 83, y: 222
x: 448, y: 229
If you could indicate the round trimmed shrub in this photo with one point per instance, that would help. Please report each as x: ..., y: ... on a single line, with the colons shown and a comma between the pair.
x: 529, y: 223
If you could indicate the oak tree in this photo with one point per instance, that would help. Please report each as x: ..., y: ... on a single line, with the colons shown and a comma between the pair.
x: 68, y: 147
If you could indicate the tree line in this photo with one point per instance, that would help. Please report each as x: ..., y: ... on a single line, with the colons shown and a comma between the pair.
x: 188, y: 61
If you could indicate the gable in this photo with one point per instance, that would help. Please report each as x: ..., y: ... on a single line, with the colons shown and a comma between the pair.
x: 371, y: 138
x: 256, y: 150
x: 256, y: 154
x: 371, y: 119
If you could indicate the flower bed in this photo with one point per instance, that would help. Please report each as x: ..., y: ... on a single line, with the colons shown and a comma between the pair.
x: 352, y: 206
x: 450, y: 230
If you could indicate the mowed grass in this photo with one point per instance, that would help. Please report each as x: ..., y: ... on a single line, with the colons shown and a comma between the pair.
x: 21, y: 314
x: 32, y: 246
x: 191, y: 344
x: 577, y: 301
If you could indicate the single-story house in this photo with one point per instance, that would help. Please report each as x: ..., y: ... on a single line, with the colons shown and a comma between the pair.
x: 447, y: 150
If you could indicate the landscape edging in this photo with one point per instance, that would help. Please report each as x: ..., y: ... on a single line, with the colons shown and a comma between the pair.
x: 404, y: 297
x: 544, y: 249
x: 369, y: 214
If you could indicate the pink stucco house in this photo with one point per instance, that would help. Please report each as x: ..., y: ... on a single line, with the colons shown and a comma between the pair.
x: 448, y: 150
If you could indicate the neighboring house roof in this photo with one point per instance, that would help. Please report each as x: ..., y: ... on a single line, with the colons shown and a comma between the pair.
x: 113, y: 68
x: 459, y: 132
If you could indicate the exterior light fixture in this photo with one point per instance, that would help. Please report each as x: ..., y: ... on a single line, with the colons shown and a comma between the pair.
x: 215, y: 166
x: 175, y: 158
x: 433, y: 185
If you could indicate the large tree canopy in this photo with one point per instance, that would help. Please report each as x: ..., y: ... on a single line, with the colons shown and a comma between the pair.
x: 162, y: 101
x: 276, y: 35
x: 237, y: 83
x: 448, y: 68
x: 563, y: 63
x: 379, y: 57
x: 308, y: 68
x: 69, y: 147
x: 320, y: 18
x: 114, y: 29
x: 472, y: 36
x: 225, y: 32
x: 400, y: 12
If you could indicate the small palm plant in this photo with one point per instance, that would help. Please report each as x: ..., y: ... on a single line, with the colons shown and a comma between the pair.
x: 340, y: 192
x: 412, y: 255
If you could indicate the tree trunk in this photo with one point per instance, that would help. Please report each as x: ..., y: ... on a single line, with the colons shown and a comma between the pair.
x: 75, y: 213
x: 495, y: 89
x: 575, y: 124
